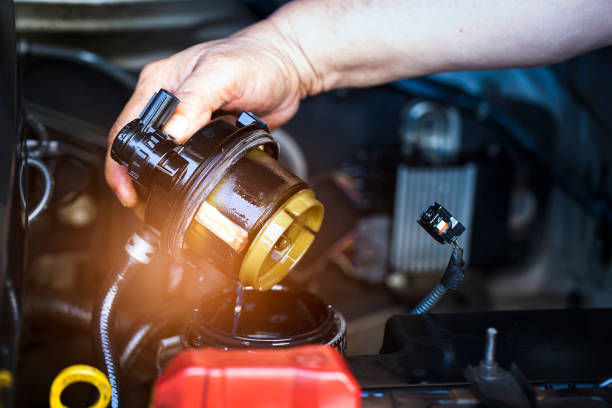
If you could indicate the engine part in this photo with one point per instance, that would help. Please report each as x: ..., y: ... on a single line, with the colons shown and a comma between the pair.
x: 112, y: 27
x: 440, y: 224
x: 308, y: 376
x: 372, y: 247
x: 488, y: 384
x: 12, y: 241
x: 149, y: 329
x: 598, y: 207
x: 550, y: 346
x: 47, y: 192
x: 444, y: 228
x: 220, y: 198
x: 139, y: 250
x: 450, y: 281
x: 78, y: 56
x: 80, y: 373
x: 494, y: 386
x: 291, y: 154
x: 412, y: 252
x: 51, y: 306
x: 279, y: 318
x: 432, y: 130
x: 77, y: 16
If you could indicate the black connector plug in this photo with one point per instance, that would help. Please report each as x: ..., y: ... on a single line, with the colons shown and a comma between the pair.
x: 440, y: 224
x: 444, y: 228
x: 143, y: 147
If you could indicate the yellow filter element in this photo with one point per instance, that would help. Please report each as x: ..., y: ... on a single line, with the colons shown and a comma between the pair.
x: 80, y: 373
x: 282, y: 241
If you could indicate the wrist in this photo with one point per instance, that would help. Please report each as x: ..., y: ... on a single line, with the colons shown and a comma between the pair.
x: 338, y: 44
x: 281, y: 49
x: 291, y: 27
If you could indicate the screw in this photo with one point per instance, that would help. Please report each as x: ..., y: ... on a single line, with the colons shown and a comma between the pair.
x: 490, y: 346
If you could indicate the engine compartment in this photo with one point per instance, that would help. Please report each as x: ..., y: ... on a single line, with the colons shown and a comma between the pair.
x: 518, y: 156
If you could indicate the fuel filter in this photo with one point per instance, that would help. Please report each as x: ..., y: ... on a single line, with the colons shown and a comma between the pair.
x: 221, y: 197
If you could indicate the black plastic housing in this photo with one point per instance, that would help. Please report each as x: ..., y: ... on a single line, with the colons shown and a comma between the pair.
x: 440, y: 224
x: 234, y: 157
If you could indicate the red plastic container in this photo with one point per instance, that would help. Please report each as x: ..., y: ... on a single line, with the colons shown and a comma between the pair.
x: 308, y: 376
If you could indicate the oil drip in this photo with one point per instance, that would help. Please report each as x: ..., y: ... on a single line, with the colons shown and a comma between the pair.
x: 238, y: 307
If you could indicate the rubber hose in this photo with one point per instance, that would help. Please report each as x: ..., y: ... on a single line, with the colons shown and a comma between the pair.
x: 82, y: 57
x: 430, y: 300
x: 149, y: 329
x: 138, y: 340
x: 451, y: 280
x: 65, y: 309
x: 41, y: 132
x: 138, y: 251
x: 103, y: 319
x: 14, y: 308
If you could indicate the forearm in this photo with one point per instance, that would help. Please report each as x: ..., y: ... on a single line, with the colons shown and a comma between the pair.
x: 309, y: 46
x: 363, y: 43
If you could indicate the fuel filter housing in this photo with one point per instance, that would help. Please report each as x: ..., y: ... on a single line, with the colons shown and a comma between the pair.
x: 221, y: 197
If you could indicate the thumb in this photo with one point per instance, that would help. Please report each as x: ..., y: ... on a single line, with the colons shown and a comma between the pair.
x: 200, y: 95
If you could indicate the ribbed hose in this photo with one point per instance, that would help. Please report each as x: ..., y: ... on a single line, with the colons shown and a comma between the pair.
x: 139, y: 249
x: 451, y: 280
x: 430, y: 300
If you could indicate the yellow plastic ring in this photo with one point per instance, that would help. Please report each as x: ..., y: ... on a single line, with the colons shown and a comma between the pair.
x: 80, y: 373
x: 268, y: 260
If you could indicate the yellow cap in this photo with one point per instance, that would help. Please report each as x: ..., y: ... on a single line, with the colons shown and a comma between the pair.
x: 80, y: 373
x: 282, y: 241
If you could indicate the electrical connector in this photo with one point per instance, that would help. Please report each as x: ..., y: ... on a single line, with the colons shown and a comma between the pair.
x: 440, y: 224
x: 444, y: 228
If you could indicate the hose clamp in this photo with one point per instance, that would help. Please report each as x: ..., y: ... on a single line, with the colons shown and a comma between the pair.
x: 140, y: 249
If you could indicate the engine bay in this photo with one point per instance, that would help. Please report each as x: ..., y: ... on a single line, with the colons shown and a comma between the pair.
x: 516, y: 158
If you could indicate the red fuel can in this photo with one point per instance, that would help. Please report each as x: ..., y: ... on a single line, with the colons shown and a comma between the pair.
x: 310, y: 376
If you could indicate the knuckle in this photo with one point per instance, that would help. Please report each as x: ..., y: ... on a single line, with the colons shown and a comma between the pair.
x: 191, y: 97
x: 151, y: 69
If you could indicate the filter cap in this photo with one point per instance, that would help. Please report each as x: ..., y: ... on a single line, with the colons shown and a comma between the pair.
x: 282, y: 241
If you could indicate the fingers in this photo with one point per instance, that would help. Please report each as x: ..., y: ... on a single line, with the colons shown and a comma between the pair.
x: 203, y: 80
x: 198, y: 100
x: 151, y: 79
x: 207, y: 89
x: 116, y: 174
x: 120, y: 182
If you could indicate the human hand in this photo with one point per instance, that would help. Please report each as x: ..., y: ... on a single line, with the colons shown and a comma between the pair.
x: 257, y: 69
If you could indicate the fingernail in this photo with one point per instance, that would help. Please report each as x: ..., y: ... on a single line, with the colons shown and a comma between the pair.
x: 177, y: 127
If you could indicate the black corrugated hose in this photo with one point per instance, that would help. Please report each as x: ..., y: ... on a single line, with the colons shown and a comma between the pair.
x: 451, y: 280
x: 139, y: 250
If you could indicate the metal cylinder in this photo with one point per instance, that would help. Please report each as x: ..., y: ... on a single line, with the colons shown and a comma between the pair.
x: 490, y: 346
